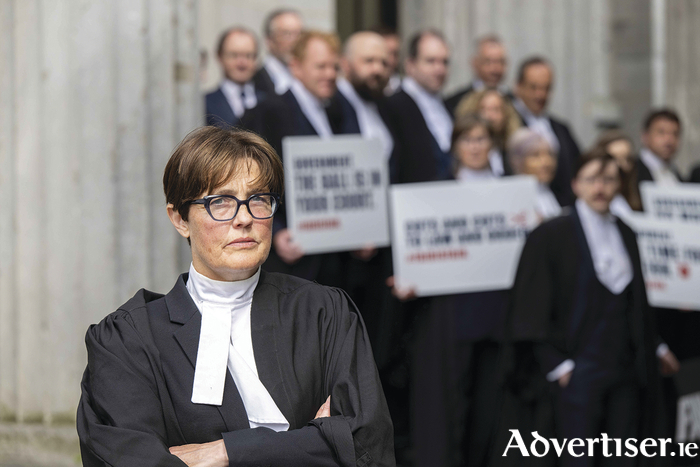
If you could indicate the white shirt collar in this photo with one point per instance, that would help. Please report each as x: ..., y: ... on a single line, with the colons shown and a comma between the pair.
x: 371, y: 123
x: 661, y: 171
x: 394, y: 85
x: 279, y: 74
x: 478, y: 86
x: 313, y: 109
x: 547, y: 204
x: 232, y: 93
x: 540, y: 124
x: 225, y: 342
x: 611, y: 261
x: 204, y: 289
x: 433, y: 110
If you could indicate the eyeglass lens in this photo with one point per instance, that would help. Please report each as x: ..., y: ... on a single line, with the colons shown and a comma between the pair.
x: 224, y: 208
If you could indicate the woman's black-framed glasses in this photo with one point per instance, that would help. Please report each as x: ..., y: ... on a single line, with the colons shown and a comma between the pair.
x: 223, y: 208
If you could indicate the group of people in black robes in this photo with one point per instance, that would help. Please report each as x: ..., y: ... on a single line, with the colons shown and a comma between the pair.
x: 573, y: 349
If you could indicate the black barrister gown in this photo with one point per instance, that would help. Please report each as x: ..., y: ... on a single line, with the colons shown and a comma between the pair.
x: 309, y: 342
x: 553, y: 307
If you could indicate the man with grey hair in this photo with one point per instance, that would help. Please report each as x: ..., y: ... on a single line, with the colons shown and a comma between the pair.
x: 489, y: 67
x: 282, y: 29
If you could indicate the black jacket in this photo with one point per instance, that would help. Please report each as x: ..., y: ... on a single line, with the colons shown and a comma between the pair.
x: 309, y: 342
x: 416, y: 157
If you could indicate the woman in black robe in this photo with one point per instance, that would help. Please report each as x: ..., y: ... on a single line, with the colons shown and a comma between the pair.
x: 311, y: 352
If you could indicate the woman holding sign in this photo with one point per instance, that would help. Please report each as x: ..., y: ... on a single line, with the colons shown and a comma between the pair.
x: 234, y: 366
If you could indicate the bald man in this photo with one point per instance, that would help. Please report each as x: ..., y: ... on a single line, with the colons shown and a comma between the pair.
x: 361, y: 88
x: 360, y: 96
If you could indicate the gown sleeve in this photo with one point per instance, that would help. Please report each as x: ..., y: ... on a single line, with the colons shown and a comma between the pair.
x: 120, y: 419
x: 359, y: 432
x: 532, y: 300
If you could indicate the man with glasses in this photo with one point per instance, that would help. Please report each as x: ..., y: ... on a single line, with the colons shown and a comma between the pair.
x: 282, y: 29
x: 237, y: 52
x: 580, y: 313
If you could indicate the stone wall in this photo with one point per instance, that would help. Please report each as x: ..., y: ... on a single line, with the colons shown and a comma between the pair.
x: 94, y: 95
x: 682, y: 88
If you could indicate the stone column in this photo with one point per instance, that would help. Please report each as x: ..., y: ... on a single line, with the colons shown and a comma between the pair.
x: 94, y: 95
x: 683, y: 75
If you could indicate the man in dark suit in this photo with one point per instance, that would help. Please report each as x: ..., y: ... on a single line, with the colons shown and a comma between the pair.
x: 282, y: 29
x: 422, y: 129
x: 535, y: 78
x: 579, y: 300
x: 661, y: 138
x: 361, y: 94
x: 489, y: 68
x: 417, y: 117
x: 306, y: 109
x: 237, y: 52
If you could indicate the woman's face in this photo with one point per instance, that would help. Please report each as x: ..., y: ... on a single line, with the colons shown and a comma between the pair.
x: 491, y: 110
x: 541, y: 163
x: 473, y: 148
x: 621, y: 150
x: 231, y: 250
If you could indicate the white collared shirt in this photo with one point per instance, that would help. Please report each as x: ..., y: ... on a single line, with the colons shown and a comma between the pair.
x: 279, y: 74
x: 496, y: 162
x: 540, y: 124
x: 371, y: 123
x: 225, y: 341
x: 313, y: 109
x: 660, y: 170
x: 239, y: 97
x: 619, y: 207
x: 478, y: 86
x: 547, y: 204
x: 394, y: 85
x: 611, y: 261
x: 433, y: 110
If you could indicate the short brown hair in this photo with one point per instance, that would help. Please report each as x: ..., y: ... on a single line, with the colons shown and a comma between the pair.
x: 661, y: 114
x: 595, y: 154
x: 467, y: 123
x: 235, y: 30
x: 209, y: 157
x: 299, y: 50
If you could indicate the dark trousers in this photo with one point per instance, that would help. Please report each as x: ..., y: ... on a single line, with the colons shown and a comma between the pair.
x: 479, y: 404
x: 598, y: 400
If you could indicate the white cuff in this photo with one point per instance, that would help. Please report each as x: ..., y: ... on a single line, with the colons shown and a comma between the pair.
x: 662, y: 350
x: 561, y: 369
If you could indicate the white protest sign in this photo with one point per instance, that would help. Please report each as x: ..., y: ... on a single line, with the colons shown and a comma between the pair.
x: 453, y: 237
x: 336, y: 192
x: 670, y: 254
x: 678, y: 202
